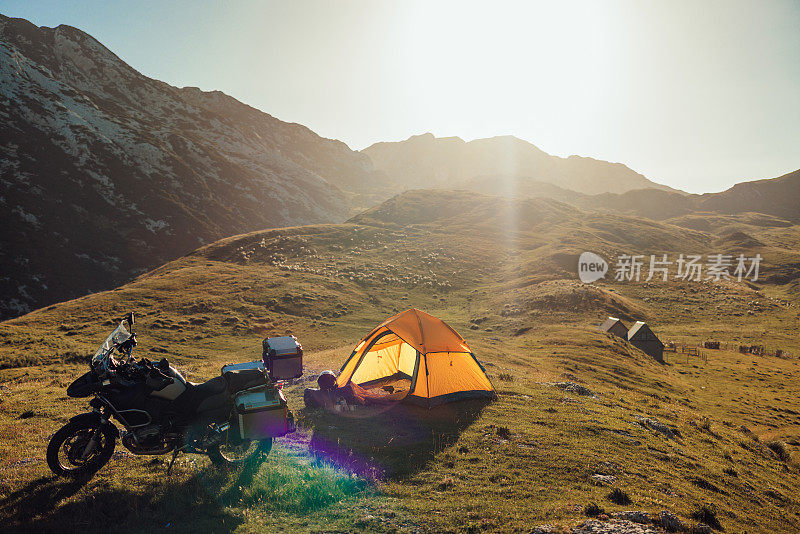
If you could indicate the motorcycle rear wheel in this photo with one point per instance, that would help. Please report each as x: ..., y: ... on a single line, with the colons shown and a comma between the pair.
x: 64, y: 452
x: 245, y: 453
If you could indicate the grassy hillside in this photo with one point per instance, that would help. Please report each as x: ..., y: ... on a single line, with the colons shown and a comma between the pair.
x: 715, y: 438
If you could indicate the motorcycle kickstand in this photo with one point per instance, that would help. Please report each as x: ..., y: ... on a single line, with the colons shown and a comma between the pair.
x: 171, y: 462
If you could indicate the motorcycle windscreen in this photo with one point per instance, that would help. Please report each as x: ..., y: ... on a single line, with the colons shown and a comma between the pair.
x: 117, y: 336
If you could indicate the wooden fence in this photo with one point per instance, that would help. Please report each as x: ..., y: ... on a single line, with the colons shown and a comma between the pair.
x: 687, y: 349
x: 700, y: 349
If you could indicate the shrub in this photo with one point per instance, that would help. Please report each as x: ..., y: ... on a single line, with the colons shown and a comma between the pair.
x: 505, y: 377
x: 503, y: 432
x: 775, y: 494
x: 593, y: 510
x: 707, y: 514
x: 702, y: 483
x: 618, y: 496
x: 779, y: 448
x: 446, y: 483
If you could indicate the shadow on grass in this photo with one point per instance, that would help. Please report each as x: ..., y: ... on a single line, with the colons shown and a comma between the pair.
x: 346, y: 448
x: 388, y: 442
x: 95, y: 506
x: 206, y: 500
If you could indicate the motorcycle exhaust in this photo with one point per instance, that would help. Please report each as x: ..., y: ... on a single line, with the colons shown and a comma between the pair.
x: 218, y: 434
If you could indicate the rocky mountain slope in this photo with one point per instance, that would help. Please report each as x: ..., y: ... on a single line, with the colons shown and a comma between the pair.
x: 105, y: 173
x: 450, y: 162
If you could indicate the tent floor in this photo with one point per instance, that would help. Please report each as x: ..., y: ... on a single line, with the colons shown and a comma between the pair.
x: 387, y: 390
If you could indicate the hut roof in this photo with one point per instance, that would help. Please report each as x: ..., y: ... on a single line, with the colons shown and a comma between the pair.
x: 635, y: 328
x: 641, y: 330
x: 610, y: 322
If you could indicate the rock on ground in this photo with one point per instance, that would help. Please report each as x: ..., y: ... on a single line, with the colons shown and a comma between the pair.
x: 603, y: 480
x: 669, y: 521
x: 615, y: 526
x: 635, y: 516
x: 572, y: 387
x: 658, y: 426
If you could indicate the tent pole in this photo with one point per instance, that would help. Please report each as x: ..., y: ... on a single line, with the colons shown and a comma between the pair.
x: 427, y: 382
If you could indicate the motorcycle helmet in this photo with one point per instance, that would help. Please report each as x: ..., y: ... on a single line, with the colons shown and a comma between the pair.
x: 326, y: 381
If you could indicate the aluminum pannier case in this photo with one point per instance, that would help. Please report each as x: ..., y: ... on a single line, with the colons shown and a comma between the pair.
x: 262, y: 413
x: 283, y: 357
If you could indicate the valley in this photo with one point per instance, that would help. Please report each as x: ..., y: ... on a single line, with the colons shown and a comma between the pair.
x: 681, y: 436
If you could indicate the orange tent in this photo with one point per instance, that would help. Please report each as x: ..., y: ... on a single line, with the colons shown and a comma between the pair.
x: 416, y: 357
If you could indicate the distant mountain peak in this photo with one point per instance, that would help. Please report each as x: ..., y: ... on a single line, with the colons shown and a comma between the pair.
x: 427, y: 161
x: 428, y: 138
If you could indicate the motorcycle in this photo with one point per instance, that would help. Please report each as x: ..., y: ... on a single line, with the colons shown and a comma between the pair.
x: 232, y: 418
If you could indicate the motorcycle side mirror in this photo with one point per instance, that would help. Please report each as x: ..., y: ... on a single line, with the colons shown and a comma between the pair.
x: 130, y: 319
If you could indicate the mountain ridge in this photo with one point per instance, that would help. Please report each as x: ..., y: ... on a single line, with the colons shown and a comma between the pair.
x: 425, y: 160
x: 778, y: 197
x: 142, y: 170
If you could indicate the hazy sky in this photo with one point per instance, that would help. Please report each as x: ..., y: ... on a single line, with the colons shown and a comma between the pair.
x: 698, y: 94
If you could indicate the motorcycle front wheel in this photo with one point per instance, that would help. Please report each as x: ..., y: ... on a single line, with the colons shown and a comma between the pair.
x: 239, y: 453
x: 67, y: 454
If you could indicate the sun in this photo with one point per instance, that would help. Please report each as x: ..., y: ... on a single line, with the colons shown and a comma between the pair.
x: 542, y: 68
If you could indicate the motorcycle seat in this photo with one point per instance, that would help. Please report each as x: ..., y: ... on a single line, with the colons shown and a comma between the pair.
x: 212, y: 387
x: 210, y: 395
x: 214, y: 402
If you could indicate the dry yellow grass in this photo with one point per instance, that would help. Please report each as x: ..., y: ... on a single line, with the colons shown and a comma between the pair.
x: 524, y: 460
